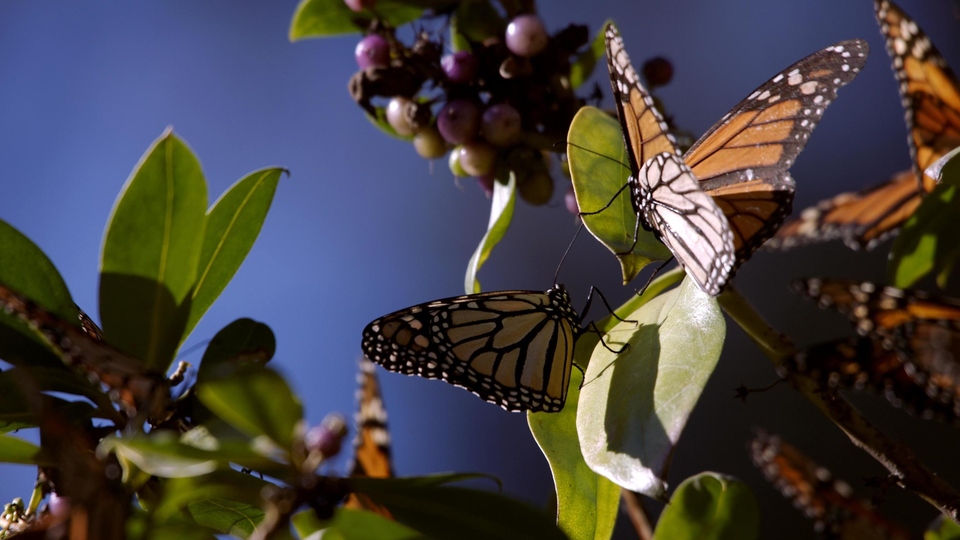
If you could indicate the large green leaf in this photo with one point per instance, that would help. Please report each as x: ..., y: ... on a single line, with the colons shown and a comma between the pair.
x: 442, y: 512
x: 599, y: 171
x: 347, y: 524
x: 321, y: 18
x: 226, y: 516
x: 634, y: 405
x: 16, y: 450
x: 150, y: 252
x: 942, y: 528
x: 178, y: 493
x: 257, y: 401
x: 501, y: 213
x: 930, y: 239
x: 582, y: 67
x: 242, y: 341
x: 710, y: 506
x: 587, y: 503
x: 233, y: 225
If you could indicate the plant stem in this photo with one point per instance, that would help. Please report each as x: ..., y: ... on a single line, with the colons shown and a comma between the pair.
x: 898, y: 458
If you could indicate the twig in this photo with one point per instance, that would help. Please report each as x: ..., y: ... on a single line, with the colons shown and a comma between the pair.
x: 903, y: 464
x: 637, y: 514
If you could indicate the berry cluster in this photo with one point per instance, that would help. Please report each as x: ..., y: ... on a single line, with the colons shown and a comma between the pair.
x: 500, y: 103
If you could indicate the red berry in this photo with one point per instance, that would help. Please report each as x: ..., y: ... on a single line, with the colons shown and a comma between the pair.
x: 459, y: 121
x: 526, y: 36
x: 657, y: 71
x: 372, y: 51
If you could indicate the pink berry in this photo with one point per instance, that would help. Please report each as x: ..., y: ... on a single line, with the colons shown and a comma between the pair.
x: 359, y: 5
x: 459, y: 121
x: 328, y: 436
x: 372, y: 51
x: 526, y: 36
x: 398, y: 116
x: 570, y: 199
x: 460, y: 67
x: 500, y: 125
x: 477, y: 158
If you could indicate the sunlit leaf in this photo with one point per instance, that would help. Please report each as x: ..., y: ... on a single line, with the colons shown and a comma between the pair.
x: 233, y: 225
x: 16, y: 450
x: 587, y: 503
x: 942, y: 528
x: 321, y: 18
x: 930, y: 239
x: 710, y: 506
x: 149, y: 261
x: 599, y: 170
x: 634, y: 405
x: 501, y: 213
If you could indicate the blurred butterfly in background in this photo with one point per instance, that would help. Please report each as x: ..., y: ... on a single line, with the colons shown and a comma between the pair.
x: 138, y: 390
x: 829, y: 502
x: 371, y: 447
x: 931, y: 96
x: 908, y: 337
x: 717, y: 203
x: 511, y: 348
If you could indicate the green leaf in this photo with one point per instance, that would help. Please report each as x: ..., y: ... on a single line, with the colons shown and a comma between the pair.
x: 321, y: 18
x: 477, y: 20
x: 458, y: 513
x: 353, y: 525
x: 233, y: 225
x: 634, y: 405
x: 599, y: 170
x: 942, y: 529
x: 17, y: 450
x: 256, y: 401
x: 501, y: 213
x: 243, y: 340
x: 587, y: 503
x: 582, y: 67
x: 165, y: 455
x: 226, y: 516
x: 710, y: 506
x: 930, y: 239
x: 231, y: 484
x: 149, y: 260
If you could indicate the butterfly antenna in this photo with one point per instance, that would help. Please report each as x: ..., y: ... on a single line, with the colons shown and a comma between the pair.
x: 653, y: 275
x: 594, y: 152
x: 557, y: 273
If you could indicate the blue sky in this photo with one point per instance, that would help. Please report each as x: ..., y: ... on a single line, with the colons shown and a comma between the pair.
x: 363, y: 226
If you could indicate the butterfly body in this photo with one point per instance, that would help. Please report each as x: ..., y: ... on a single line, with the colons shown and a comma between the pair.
x: 511, y: 348
x: 729, y: 193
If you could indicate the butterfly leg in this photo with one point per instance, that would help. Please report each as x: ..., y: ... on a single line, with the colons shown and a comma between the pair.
x: 592, y: 327
x: 586, y: 307
x: 653, y: 275
x: 615, y: 195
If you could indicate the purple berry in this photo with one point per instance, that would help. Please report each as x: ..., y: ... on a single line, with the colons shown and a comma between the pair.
x: 477, y: 158
x: 570, y: 199
x: 328, y: 436
x: 526, y: 36
x: 460, y: 67
x: 429, y: 144
x: 398, y: 115
x: 359, y: 5
x: 372, y: 51
x: 459, y: 121
x: 657, y: 71
x: 500, y: 125
x: 486, y: 184
x: 58, y: 506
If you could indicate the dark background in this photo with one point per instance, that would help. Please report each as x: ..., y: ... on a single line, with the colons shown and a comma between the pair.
x: 364, y: 226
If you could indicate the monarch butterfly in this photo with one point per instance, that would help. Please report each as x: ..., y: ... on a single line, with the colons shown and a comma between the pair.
x: 372, y: 443
x: 511, y: 348
x: 931, y: 96
x: 130, y: 384
x: 923, y: 330
x: 731, y: 190
x: 829, y: 502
